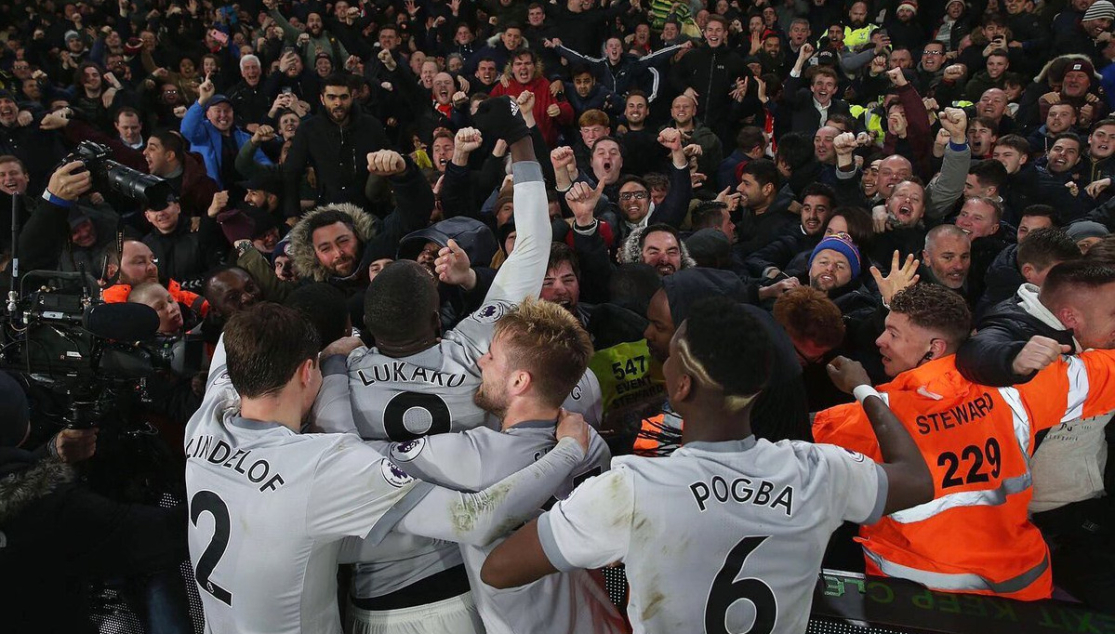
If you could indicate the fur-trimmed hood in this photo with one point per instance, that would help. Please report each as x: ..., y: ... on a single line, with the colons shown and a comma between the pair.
x: 630, y: 253
x: 1042, y: 77
x: 19, y: 489
x: 301, y: 249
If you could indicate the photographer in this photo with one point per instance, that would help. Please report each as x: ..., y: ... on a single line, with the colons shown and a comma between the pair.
x: 71, y: 228
x: 60, y: 535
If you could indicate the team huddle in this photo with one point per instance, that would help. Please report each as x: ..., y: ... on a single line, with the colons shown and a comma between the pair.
x: 427, y: 462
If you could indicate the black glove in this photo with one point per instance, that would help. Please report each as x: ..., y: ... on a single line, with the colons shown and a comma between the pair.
x: 499, y: 118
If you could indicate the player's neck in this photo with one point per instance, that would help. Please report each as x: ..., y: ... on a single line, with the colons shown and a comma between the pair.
x: 718, y: 426
x: 400, y: 350
x: 283, y: 408
x: 522, y: 411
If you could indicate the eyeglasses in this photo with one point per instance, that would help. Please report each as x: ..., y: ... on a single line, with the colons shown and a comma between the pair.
x: 932, y: 53
x: 633, y: 196
x: 170, y: 92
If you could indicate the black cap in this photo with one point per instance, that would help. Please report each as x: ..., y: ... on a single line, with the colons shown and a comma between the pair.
x: 261, y: 182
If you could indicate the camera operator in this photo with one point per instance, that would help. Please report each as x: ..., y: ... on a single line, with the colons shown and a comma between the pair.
x: 70, y: 227
x: 60, y: 535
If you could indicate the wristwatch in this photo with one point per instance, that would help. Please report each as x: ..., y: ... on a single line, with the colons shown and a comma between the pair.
x: 242, y: 247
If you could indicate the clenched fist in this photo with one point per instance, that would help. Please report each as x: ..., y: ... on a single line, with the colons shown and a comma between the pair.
x: 386, y: 163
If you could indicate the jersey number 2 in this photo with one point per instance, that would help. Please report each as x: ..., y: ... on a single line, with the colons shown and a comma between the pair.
x: 207, y: 501
x: 726, y: 591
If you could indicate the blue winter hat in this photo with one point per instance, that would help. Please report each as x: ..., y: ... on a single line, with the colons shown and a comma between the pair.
x: 841, y: 243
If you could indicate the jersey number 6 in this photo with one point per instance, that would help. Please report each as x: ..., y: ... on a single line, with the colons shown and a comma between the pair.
x: 207, y: 501
x: 726, y: 591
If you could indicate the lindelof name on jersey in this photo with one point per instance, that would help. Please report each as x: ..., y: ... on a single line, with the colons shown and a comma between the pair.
x: 972, y: 411
x: 238, y: 460
x: 401, y: 372
x: 742, y: 491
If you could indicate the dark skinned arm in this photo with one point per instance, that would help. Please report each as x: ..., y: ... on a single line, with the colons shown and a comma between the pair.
x: 519, y: 560
x: 908, y: 479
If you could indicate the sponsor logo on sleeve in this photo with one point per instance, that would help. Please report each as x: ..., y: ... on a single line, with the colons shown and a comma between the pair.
x: 409, y: 450
x: 490, y: 313
x: 395, y: 476
x: 857, y: 456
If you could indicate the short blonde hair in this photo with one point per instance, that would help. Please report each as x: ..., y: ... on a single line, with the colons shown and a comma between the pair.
x: 547, y: 341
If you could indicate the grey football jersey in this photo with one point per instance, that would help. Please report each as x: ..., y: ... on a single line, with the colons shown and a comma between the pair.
x: 719, y: 536
x: 570, y: 602
x: 431, y: 392
x: 269, y: 508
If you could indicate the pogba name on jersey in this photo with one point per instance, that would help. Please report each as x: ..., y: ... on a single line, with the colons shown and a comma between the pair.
x: 742, y: 491
x: 401, y: 372
x: 238, y: 460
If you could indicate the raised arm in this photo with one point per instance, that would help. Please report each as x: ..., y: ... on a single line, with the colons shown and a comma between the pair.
x: 909, y: 482
x: 522, y: 274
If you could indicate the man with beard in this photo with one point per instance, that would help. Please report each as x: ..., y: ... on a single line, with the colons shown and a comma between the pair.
x: 333, y: 142
x: 765, y: 208
x: 1062, y: 179
x: 817, y: 203
x: 210, y: 127
x: 313, y: 40
x: 659, y: 246
x: 335, y: 243
x: 947, y: 260
x: 135, y: 265
x: 164, y: 156
x: 834, y: 269
x: 537, y: 355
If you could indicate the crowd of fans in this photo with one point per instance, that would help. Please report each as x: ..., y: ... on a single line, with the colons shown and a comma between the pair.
x: 817, y: 160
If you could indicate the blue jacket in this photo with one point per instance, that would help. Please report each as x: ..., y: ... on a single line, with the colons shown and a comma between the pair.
x: 206, y: 141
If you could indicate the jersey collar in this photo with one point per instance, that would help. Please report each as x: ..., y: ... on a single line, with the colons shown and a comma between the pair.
x: 724, y: 446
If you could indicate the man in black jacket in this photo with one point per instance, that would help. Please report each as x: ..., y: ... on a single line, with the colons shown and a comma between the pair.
x: 335, y: 142
x: 182, y: 254
x: 708, y: 73
x: 817, y: 203
x: 809, y: 108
